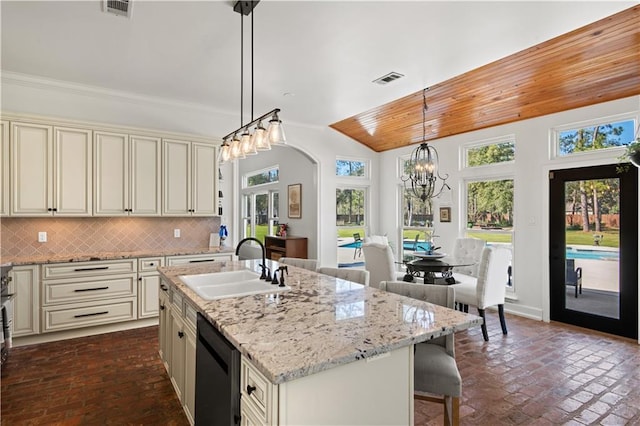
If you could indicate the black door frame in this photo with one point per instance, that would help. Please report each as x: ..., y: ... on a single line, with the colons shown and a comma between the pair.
x: 627, y: 324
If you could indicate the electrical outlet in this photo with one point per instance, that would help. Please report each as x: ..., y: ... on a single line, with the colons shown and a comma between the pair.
x: 176, y: 233
x: 42, y: 237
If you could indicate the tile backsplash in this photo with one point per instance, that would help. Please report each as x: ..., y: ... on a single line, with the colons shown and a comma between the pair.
x: 19, y: 236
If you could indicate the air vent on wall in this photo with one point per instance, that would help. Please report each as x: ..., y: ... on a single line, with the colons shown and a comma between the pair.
x: 388, y: 78
x: 118, y: 7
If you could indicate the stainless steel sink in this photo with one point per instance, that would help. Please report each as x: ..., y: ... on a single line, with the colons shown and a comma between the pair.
x: 221, y: 285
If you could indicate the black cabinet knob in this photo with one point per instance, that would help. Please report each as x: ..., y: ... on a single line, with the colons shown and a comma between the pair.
x: 49, y: 209
x: 181, y: 334
x: 250, y: 389
x: 162, y: 307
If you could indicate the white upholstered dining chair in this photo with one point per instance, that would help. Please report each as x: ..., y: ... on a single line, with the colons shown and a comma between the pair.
x: 490, y: 287
x: 379, y: 261
x: 436, y: 377
x: 310, y: 264
x: 359, y: 276
x: 468, y: 249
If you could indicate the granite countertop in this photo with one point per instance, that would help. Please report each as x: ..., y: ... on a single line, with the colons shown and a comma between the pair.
x: 322, y: 322
x: 86, y: 257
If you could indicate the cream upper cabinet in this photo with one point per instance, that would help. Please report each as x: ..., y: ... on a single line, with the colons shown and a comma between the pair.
x: 4, y: 167
x: 127, y: 175
x: 51, y: 170
x: 189, y: 185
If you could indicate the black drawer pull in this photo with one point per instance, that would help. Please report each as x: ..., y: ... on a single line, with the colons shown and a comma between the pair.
x: 97, y: 268
x: 250, y: 389
x: 91, y: 314
x: 90, y: 289
x: 201, y: 260
x: 164, y: 287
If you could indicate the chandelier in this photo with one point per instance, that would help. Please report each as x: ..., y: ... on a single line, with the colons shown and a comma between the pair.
x: 251, y: 137
x: 422, y: 167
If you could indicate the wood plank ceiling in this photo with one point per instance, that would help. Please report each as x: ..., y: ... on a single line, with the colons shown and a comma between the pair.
x: 597, y: 63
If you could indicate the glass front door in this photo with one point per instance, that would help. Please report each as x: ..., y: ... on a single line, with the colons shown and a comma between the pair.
x: 593, y: 249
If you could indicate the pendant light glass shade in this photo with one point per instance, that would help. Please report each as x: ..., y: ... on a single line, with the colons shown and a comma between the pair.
x: 225, y: 152
x: 236, y: 148
x: 245, y: 144
x: 275, y: 133
x: 259, y: 138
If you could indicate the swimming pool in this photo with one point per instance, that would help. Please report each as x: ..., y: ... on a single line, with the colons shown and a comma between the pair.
x: 573, y: 253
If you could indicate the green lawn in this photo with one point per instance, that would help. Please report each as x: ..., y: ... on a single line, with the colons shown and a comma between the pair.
x: 610, y: 239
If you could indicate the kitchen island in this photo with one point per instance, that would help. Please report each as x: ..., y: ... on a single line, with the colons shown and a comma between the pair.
x: 332, y: 351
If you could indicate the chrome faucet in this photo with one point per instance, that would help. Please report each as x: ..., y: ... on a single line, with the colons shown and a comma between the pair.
x: 264, y: 275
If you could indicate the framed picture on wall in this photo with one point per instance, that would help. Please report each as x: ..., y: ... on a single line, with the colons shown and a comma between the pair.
x: 445, y: 214
x: 295, y: 201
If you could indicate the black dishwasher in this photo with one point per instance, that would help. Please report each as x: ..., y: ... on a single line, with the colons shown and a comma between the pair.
x: 217, y: 378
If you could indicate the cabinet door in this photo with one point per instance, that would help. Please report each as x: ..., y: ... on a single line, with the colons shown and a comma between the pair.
x: 111, y: 174
x: 164, y: 329
x: 176, y: 181
x: 72, y: 170
x: 4, y: 168
x: 178, y: 348
x: 204, y: 170
x: 32, y: 169
x: 190, y: 375
x: 25, y: 283
x: 148, y: 295
x: 145, y: 159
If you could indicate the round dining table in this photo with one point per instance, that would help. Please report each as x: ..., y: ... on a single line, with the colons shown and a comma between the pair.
x: 432, y: 266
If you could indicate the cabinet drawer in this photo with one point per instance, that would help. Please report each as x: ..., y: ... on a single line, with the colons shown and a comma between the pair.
x: 88, y: 314
x: 88, y: 269
x: 150, y: 264
x: 80, y: 289
x: 256, y: 390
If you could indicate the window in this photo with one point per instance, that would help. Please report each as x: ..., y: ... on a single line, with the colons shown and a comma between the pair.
x: 261, y: 177
x: 260, y: 216
x: 350, y: 168
x: 350, y: 220
x: 260, y: 203
x: 490, y: 152
x: 594, y: 137
x: 417, y: 223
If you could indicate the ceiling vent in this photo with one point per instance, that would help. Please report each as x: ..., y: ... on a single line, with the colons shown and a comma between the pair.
x: 388, y: 78
x: 118, y: 7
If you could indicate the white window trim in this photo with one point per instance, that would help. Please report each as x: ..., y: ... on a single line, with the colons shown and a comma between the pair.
x: 464, y: 151
x: 245, y: 177
x: 600, y: 154
x: 367, y: 168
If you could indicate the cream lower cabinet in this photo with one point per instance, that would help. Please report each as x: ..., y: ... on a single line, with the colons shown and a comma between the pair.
x: 178, y: 348
x: 374, y: 391
x: 197, y: 258
x: 148, y: 286
x: 127, y: 175
x: 50, y: 170
x: 4, y: 167
x: 25, y: 284
x: 84, y: 294
x: 190, y: 178
x: 164, y: 325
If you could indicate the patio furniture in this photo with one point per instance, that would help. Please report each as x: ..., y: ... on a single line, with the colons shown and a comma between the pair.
x: 358, y: 245
x: 573, y: 275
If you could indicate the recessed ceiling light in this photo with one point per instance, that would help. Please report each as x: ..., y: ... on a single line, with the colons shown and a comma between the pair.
x: 288, y: 94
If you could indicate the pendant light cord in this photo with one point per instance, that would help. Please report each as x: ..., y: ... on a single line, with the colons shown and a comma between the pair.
x: 253, y: 13
x: 241, y: 65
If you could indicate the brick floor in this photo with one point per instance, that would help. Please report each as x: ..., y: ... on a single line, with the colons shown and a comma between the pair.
x: 540, y: 374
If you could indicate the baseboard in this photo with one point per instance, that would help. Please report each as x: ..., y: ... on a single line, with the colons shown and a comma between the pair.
x: 82, y: 332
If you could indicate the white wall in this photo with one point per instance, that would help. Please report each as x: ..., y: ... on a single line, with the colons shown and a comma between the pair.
x: 531, y: 168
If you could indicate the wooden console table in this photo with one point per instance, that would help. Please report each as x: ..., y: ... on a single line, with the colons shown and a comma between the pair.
x: 278, y: 247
